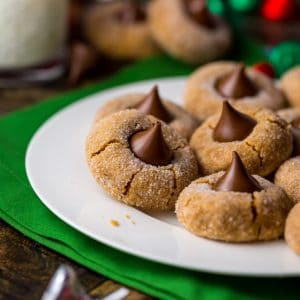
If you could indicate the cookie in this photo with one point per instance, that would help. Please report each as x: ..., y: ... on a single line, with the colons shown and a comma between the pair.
x: 292, y: 229
x: 140, y: 160
x: 120, y: 30
x: 290, y: 85
x: 152, y: 104
x: 256, y: 134
x: 292, y: 116
x: 213, y: 83
x: 233, y: 206
x: 186, y: 30
x: 288, y: 177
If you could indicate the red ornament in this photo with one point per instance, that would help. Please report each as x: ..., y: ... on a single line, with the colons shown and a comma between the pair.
x: 278, y: 10
x: 265, y: 68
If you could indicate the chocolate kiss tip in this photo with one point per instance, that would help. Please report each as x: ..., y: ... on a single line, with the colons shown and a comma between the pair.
x: 150, y: 146
x: 236, y: 84
x: 232, y: 125
x: 152, y: 105
x: 237, y: 178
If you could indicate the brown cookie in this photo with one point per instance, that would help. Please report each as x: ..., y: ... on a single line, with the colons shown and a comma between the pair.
x: 120, y: 30
x: 192, y: 36
x: 290, y: 85
x: 288, y: 177
x: 292, y: 229
x: 213, y: 83
x: 151, y: 103
x: 258, y: 144
x: 233, y: 216
x: 118, y: 155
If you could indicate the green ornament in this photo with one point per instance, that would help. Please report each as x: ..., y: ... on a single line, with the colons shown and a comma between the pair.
x: 244, y: 6
x: 284, y: 56
x: 216, y: 6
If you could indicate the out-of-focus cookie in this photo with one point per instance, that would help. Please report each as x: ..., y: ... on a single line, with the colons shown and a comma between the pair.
x: 256, y: 134
x: 290, y: 85
x: 152, y: 104
x: 187, y: 30
x: 233, y: 206
x: 292, y: 229
x: 292, y: 116
x: 140, y: 160
x: 213, y: 83
x: 288, y: 177
x: 120, y: 30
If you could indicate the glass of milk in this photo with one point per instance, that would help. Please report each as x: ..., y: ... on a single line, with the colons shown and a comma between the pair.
x: 32, y: 40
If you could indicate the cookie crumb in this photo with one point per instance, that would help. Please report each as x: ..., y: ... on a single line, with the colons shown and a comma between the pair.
x: 133, y: 222
x: 127, y: 216
x: 114, y: 223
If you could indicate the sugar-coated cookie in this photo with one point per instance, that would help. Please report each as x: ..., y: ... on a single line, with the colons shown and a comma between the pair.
x: 292, y: 229
x: 261, y: 138
x: 290, y: 85
x: 152, y: 104
x: 140, y: 160
x: 233, y: 206
x: 213, y: 83
x: 120, y: 30
x: 186, y: 30
x: 288, y: 177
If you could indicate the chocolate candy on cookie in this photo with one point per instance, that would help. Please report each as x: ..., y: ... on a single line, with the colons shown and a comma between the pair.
x: 120, y: 30
x: 152, y: 104
x: 261, y: 138
x: 233, y: 206
x: 187, y: 30
x: 213, y: 83
x: 140, y: 160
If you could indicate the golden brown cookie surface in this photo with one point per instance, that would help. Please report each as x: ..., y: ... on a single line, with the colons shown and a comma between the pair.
x: 182, y: 37
x: 292, y: 229
x: 202, y: 97
x: 180, y: 120
x: 290, y: 84
x: 126, y: 177
x: 288, y: 177
x: 118, y: 36
x: 233, y: 216
x: 258, y: 150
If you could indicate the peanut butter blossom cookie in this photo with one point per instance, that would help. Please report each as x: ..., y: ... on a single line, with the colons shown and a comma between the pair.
x: 292, y: 116
x: 140, y: 160
x: 152, y: 104
x: 120, y: 30
x: 288, y: 177
x: 292, y: 229
x: 256, y: 134
x: 187, y: 30
x: 233, y: 206
x: 290, y: 84
x: 213, y: 83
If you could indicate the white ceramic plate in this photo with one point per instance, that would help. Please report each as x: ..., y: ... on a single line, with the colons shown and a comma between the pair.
x: 58, y: 172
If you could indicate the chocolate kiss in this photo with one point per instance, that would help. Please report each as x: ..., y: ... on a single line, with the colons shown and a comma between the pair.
x: 150, y: 146
x: 296, y: 141
x: 152, y: 105
x: 132, y: 13
x: 233, y: 125
x: 199, y: 12
x: 236, y: 84
x: 237, y: 179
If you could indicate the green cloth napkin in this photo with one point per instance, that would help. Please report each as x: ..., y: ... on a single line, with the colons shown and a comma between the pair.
x: 21, y: 208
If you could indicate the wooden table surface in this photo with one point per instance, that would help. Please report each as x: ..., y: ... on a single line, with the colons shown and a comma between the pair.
x: 26, y: 266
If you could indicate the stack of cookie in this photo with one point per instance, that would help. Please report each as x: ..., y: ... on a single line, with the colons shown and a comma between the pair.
x: 132, y: 30
x: 212, y: 160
